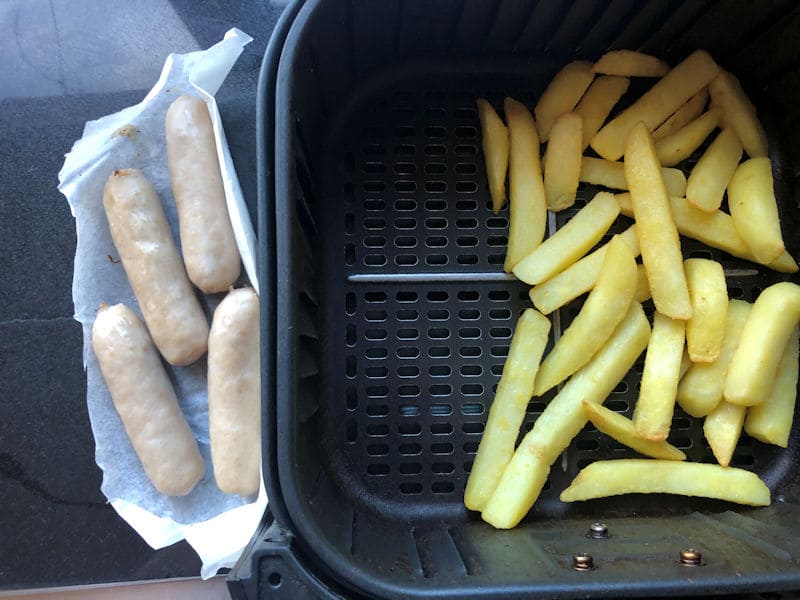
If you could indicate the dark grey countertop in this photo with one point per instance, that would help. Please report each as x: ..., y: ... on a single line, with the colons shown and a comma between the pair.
x: 63, y: 63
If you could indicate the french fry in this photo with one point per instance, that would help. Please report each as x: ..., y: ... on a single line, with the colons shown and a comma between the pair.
x: 700, y: 389
x: 722, y: 428
x: 578, y: 278
x: 644, y: 476
x: 562, y: 95
x: 601, y: 313
x: 674, y: 148
x: 611, y: 174
x: 714, y: 229
x: 658, y: 237
x: 738, y: 113
x: 570, y: 242
x: 528, y: 209
x: 709, y: 295
x: 629, y: 63
x: 642, y: 286
x: 563, y: 419
x: 686, y: 362
x: 686, y: 113
x: 653, y: 413
x: 711, y: 174
x: 751, y: 199
x: 771, y: 421
x: 597, y: 102
x: 622, y: 429
x: 766, y: 332
x: 508, y: 408
x: 658, y: 103
x: 562, y: 161
x: 494, y: 137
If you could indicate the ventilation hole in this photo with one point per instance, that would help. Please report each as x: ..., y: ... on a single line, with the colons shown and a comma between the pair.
x: 405, y: 223
x: 472, y: 408
x: 374, y: 149
x: 377, y: 391
x: 378, y: 469
x: 375, y: 260
x: 701, y: 254
x: 374, y: 223
x: 436, y: 259
x: 351, y: 431
x: 351, y: 398
x: 497, y: 370
x: 436, y: 187
x: 404, y: 187
x: 434, y: 204
x: 735, y: 292
x: 499, y: 351
x: 374, y: 204
x: 350, y: 303
x: 472, y: 389
x: 374, y: 315
x: 435, y: 150
x: 438, y: 333
x: 619, y: 406
x: 374, y: 167
x: 405, y: 204
x: 405, y: 150
x: 467, y: 241
x: 438, y: 351
x: 499, y: 314
x: 407, y: 334
x: 408, y: 371
x: 470, y: 447
x: 350, y: 366
x: 405, y: 260
x: 434, y: 113
x: 466, y: 132
x: 435, y: 168
x: 472, y: 428
x: 443, y: 468
x: 465, y: 113
x: 375, y: 297
x: 438, y: 314
x: 497, y: 241
x: 437, y: 296
x: 435, y: 132
x: 469, y: 351
x: 435, y: 223
x: 374, y: 186
x: 443, y: 487
x: 410, y: 469
x: 467, y: 223
x: 496, y: 259
x: 468, y: 466
x: 441, y: 410
x: 410, y: 488
x: 274, y: 580
x: 441, y: 429
x: 374, y: 241
x: 405, y: 296
x: 467, y: 259
x: 535, y: 408
x: 407, y: 352
x: 409, y: 428
x: 466, y: 187
x: 377, y: 410
x: 500, y: 295
x: 408, y: 391
x: 410, y: 449
x: 442, y: 448
x: 377, y: 429
x: 404, y: 131
x: 469, y: 314
x: 682, y: 442
x: 588, y: 444
x: 469, y: 333
x: 465, y: 149
x: 471, y: 370
x: 407, y: 314
x: 376, y: 372
x: 375, y: 334
x: 404, y: 168
x: 436, y: 241
x: 440, y: 389
x: 405, y: 241
x: 409, y: 410
x: 466, y: 205
x: 501, y: 333
x: 439, y: 371
x: 376, y: 353
x: 681, y: 423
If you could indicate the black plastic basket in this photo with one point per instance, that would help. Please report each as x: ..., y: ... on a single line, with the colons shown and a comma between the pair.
x: 391, y: 316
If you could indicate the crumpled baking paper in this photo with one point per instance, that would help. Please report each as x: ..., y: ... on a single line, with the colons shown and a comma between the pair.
x: 217, y: 525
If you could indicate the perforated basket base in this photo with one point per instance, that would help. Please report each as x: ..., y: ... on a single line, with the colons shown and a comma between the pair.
x: 417, y: 314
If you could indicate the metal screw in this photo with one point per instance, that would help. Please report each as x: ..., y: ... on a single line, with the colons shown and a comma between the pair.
x: 691, y: 558
x: 583, y: 562
x: 598, y: 531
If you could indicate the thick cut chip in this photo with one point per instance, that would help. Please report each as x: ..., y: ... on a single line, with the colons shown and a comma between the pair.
x: 562, y: 162
x: 700, y: 389
x: 753, y: 368
x: 711, y: 174
x: 674, y: 148
x: 738, y: 113
x: 561, y: 96
x: 643, y: 476
x: 709, y: 294
x: 597, y: 102
x: 622, y: 429
x: 642, y: 286
x: 659, y: 385
x: 528, y: 210
x: 494, y: 137
x: 611, y: 174
x: 514, y: 391
x: 687, y: 113
x: 563, y: 419
x: 722, y: 429
x: 629, y: 63
x: 658, y: 236
x: 570, y: 242
x: 601, y: 313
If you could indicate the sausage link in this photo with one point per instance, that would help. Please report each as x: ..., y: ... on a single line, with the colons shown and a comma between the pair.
x: 234, y: 393
x: 144, y: 241
x: 145, y: 400
x: 209, y: 247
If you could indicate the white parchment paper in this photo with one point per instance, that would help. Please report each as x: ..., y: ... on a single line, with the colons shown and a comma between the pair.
x: 217, y: 525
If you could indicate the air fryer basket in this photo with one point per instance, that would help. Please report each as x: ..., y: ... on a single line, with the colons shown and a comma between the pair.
x: 394, y: 317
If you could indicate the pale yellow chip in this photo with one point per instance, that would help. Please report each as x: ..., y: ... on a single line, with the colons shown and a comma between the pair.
x: 711, y: 174
x: 709, y: 294
x: 562, y: 162
x: 611, y: 174
x: 629, y: 63
x: 561, y: 96
x: 674, y: 148
x: 644, y: 476
x: 686, y: 113
x: 722, y: 428
x: 739, y: 113
x: 494, y: 137
x: 597, y: 102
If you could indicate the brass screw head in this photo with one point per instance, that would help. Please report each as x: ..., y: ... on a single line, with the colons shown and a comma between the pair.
x: 691, y: 558
x: 598, y: 531
x: 583, y: 562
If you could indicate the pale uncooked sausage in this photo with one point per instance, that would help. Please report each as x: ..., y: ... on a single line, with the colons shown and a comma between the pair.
x: 145, y: 400
x: 234, y: 393
x: 207, y: 241
x: 144, y: 241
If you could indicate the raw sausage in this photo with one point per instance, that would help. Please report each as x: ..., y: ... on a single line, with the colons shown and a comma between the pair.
x: 234, y: 393
x: 144, y: 241
x: 209, y: 247
x: 145, y: 400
